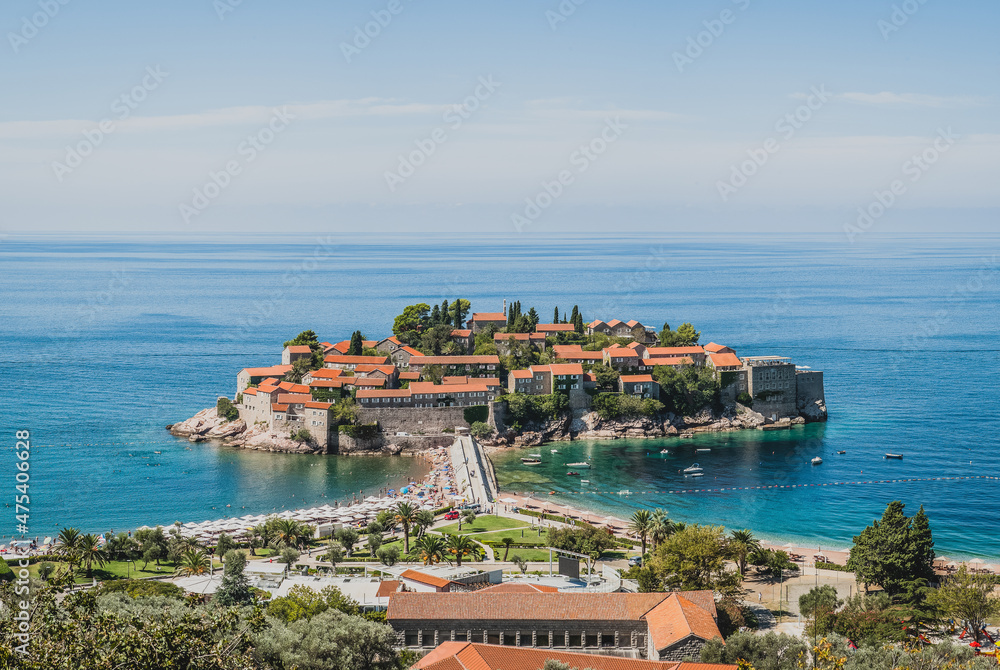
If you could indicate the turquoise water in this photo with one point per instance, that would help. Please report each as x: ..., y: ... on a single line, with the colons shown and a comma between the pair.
x: 102, y: 344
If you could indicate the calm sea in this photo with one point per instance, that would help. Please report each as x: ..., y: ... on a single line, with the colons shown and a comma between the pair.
x: 103, y: 344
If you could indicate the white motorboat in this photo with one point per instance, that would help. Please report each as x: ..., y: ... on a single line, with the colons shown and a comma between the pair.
x: 555, y: 451
x: 691, y: 470
x: 535, y: 455
x: 664, y: 451
x: 703, y: 450
x: 817, y: 460
x: 531, y: 461
x: 695, y: 474
x: 584, y: 481
x: 581, y: 464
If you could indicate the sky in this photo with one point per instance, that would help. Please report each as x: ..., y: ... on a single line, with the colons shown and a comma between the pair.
x: 243, y: 117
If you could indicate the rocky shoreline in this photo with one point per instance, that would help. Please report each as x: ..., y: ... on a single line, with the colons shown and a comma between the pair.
x: 580, y: 425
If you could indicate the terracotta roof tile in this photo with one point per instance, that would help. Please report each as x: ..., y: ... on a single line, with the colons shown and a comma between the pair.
x: 725, y: 360
x: 430, y: 580
x: 274, y: 370
x: 476, y: 656
x: 387, y: 587
x: 514, y: 587
x: 325, y: 373
x: 278, y: 408
x: 319, y: 405
x: 637, y: 378
x: 463, y: 332
x: 555, y: 328
x: 675, y: 351
x: 566, y: 369
x: 383, y: 393
x: 459, y: 360
x: 356, y: 360
x: 521, y: 374
x: 488, y: 316
x: 299, y: 349
x: 293, y: 398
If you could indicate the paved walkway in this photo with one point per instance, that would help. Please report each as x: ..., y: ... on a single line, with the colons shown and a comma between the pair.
x: 473, y: 473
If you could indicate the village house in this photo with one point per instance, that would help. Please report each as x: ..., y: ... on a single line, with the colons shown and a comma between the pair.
x: 476, y: 391
x: 322, y: 373
x: 520, y: 381
x: 502, y: 341
x: 480, y: 320
x: 694, y: 352
x: 384, y: 398
x: 248, y: 376
x: 555, y: 328
x: 478, y: 656
x: 344, y: 362
x: 388, y: 345
x: 640, y: 386
x: 621, y: 358
x: 615, y: 328
x: 402, y: 356
x: 465, y: 338
x: 574, y: 353
x: 470, y: 365
x: 656, y: 626
x: 647, y: 364
x: 714, y: 348
x: 294, y: 352
x: 726, y: 362
x: 387, y: 372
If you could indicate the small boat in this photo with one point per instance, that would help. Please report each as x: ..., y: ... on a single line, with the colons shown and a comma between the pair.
x: 584, y: 481
x: 695, y: 474
x: 531, y: 461
x: 157, y: 452
x: 817, y: 460
x: 555, y: 451
x: 703, y: 450
x: 694, y: 468
x: 900, y: 456
x: 686, y: 435
x: 535, y: 455
x: 581, y: 464
x: 664, y: 451
x: 570, y: 474
x: 624, y: 492
x: 841, y: 452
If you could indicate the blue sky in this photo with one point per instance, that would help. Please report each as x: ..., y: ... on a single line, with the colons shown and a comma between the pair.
x: 670, y: 127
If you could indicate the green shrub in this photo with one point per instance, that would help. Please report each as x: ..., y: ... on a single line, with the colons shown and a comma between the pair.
x: 365, y: 431
x: 6, y: 574
x: 226, y: 409
x: 476, y: 413
x: 138, y: 588
x: 302, y: 435
x: 745, y: 399
x: 481, y: 430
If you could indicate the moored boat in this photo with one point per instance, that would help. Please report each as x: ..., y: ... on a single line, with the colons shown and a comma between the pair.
x: 900, y: 456
x: 531, y: 461
x: 817, y: 460
x: 581, y: 464
x: 692, y: 469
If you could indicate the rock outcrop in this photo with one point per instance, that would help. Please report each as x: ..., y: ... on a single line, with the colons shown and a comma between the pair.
x: 208, y: 425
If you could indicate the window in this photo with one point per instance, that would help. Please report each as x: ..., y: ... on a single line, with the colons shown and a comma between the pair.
x: 411, y: 638
x: 525, y: 640
x: 592, y: 640
x: 542, y: 639
x: 428, y: 639
x: 575, y: 640
x: 493, y: 638
x: 461, y: 636
x: 538, y: 377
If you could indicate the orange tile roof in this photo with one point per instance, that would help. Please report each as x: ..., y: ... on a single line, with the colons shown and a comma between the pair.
x: 296, y: 388
x: 278, y: 408
x: 636, y: 345
x: 383, y: 393
x: 293, y: 398
x: 459, y: 360
x: 463, y: 332
x: 566, y: 369
x: 724, y: 360
x: 430, y: 580
x: 554, y: 328
x: 488, y: 316
x: 369, y: 344
x: 519, y: 337
x: 622, y: 352
x: 411, y: 351
x: 678, y: 618
x: 387, y: 588
x: 455, y: 380
x: 369, y: 382
x: 714, y: 348
x: 325, y: 373
x: 342, y: 347
x: 356, y: 360
x: 666, y: 360
x: 327, y: 383
x: 299, y: 349
x: 250, y: 391
x: 430, y: 387
x: 637, y: 378
x: 525, y: 606
x: 277, y: 370
x: 615, y: 322
x: 319, y: 405
x: 632, y: 324
x: 514, y: 587
x: 521, y: 374
x: 567, y: 348
x: 409, y: 376
x: 478, y: 656
x: 595, y: 323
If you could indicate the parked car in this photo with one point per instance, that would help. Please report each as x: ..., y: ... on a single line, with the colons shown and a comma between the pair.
x: 451, y: 516
x: 635, y: 562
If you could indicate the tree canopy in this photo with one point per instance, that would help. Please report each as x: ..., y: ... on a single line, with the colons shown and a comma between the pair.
x: 895, y: 551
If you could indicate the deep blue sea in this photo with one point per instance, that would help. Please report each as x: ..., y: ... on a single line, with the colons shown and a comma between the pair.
x: 103, y: 344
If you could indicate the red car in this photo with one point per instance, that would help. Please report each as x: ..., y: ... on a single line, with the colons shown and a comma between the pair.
x: 451, y: 516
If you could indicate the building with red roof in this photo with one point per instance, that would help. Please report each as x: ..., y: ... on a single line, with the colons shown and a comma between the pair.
x: 294, y: 352
x: 343, y: 362
x: 480, y: 320
x: 640, y: 386
x: 555, y: 328
x: 478, y: 656
x: 655, y: 626
x: 468, y: 365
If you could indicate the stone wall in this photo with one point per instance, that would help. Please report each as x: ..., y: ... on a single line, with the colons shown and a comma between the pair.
x: 690, y: 647
x: 413, y: 420
x: 810, y: 399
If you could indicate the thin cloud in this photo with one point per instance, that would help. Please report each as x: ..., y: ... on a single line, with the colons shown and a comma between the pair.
x: 908, y: 99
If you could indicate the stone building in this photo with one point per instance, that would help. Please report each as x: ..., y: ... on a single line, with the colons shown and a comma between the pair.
x: 477, y: 656
x: 655, y: 626
x: 460, y: 365
x: 480, y: 320
x: 772, y: 385
x: 294, y: 352
x: 640, y: 386
x: 502, y: 341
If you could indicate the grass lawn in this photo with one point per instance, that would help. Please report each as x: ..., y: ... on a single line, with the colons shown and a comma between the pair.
x: 530, y: 536
x: 113, y: 570
x: 527, y: 554
x: 483, y: 524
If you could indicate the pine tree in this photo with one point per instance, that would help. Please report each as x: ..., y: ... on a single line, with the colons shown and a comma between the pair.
x: 235, y: 587
x: 575, y: 313
x: 533, y: 318
x: 555, y: 319
x: 445, y: 313
x: 357, y: 344
x: 922, y: 545
x: 436, y: 315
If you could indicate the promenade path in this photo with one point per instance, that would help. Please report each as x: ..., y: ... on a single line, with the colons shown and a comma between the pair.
x: 474, y: 475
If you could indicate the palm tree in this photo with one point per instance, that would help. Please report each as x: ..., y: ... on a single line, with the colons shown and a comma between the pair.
x: 405, y: 515
x: 91, y: 551
x: 743, y: 544
x: 68, y: 545
x: 431, y: 548
x: 288, y: 531
x: 461, y: 546
x: 641, y: 525
x: 661, y: 527
x: 194, y: 563
x: 424, y: 520
x: 506, y: 542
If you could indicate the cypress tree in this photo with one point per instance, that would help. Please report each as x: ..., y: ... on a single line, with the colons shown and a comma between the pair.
x: 922, y: 545
x: 436, y: 315
x: 357, y: 344
x: 555, y: 319
x: 445, y: 313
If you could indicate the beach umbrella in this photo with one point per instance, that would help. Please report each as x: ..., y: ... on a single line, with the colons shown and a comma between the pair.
x: 975, y: 644
x: 977, y: 561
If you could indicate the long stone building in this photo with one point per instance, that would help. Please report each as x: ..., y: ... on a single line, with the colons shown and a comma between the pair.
x: 655, y: 626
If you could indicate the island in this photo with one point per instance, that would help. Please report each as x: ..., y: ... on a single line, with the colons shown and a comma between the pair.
x: 508, y: 379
